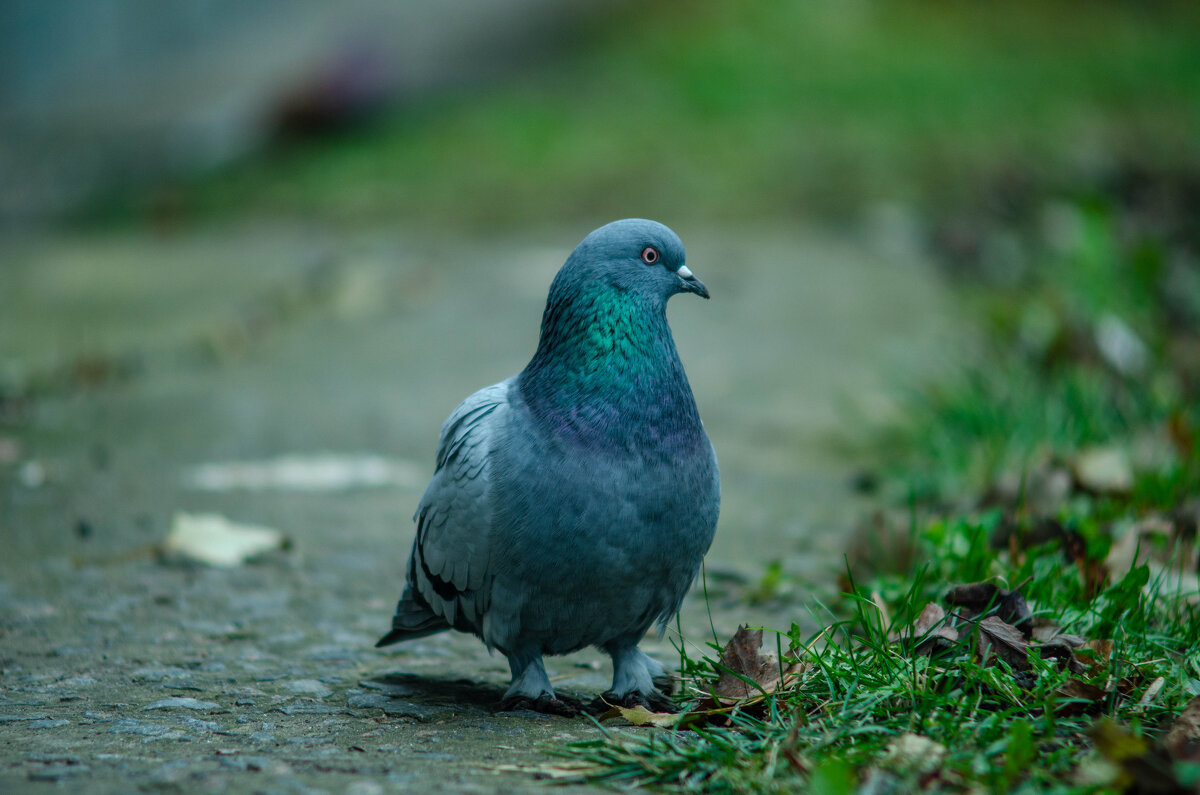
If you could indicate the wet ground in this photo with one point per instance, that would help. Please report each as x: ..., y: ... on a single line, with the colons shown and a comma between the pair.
x: 147, y: 356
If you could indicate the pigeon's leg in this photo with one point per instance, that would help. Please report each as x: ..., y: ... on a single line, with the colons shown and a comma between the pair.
x: 530, y: 688
x: 638, y: 680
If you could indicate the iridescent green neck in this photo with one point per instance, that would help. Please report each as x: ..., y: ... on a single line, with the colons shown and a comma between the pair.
x: 606, y: 357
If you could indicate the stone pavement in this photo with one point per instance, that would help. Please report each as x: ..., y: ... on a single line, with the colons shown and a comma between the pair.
x: 143, y: 356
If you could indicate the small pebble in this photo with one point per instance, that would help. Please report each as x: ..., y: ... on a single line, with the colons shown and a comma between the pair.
x: 368, y: 700
x: 199, y: 725
x: 78, y: 681
x: 134, y: 726
x: 309, y: 687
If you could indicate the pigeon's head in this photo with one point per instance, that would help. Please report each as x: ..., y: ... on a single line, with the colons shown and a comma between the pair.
x: 635, y: 255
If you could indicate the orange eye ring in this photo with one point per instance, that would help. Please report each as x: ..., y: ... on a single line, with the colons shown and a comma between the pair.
x: 650, y: 255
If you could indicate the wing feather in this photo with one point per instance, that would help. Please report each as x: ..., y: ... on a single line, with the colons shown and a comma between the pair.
x: 451, y: 554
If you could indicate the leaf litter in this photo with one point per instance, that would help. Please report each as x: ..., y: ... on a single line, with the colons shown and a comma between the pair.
x: 995, y: 627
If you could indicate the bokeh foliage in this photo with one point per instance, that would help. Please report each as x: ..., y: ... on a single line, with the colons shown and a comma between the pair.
x: 746, y: 110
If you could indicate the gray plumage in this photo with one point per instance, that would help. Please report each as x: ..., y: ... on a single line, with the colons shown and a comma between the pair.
x: 572, y: 503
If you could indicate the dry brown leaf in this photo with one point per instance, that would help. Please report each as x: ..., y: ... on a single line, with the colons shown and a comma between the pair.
x: 977, y: 595
x: 1093, y: 656
x: 929, y: 633
x: 1003, y: 640
x: 1137, y: 544
x: 1052, y: 633
x: 933, y: 620
x: 1079, y: 697
x: 1054, y: 644
x: 1058, y: 650
x: 640, y: 716
x: 743, y: 657
x: 1183, y: 738
x: 1009, y: 605
x: 1151, y: 692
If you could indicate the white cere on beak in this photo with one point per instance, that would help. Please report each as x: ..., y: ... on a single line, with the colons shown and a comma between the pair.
x: 684, y: 272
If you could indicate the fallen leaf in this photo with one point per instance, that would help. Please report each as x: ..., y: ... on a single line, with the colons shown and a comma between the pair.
x: 1136, y: 545
x: 930, y: 632
x: 1103, y: 470
x: 211, y: 538
x: 1094, y: 655
x: 640, y: 716
x: 743, y: 657
x: 1079, y: 697
x: 1183, y: 738
x: 1166, y: 547
x: 1004, y: 641
x: 976, y: 595
x: 1063, y: 652
x: 1151, y: 692
x: 1052, y: 633
x: 933, y: 620
x: 1009, y: 606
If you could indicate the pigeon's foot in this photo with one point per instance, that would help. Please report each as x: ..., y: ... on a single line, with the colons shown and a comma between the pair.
x: 564, y: 706
x: 654, y: 701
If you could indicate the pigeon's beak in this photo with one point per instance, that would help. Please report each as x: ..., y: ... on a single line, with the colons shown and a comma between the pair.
x: 690, y: 283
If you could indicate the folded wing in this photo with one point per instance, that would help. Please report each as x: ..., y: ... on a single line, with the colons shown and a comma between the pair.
x: 449, y: 568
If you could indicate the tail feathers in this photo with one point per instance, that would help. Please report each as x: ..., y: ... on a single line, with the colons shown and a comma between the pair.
x: 412, y: 620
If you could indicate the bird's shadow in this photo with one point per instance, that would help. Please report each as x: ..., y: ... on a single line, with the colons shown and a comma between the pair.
x: 425, y: 698
x: 436, y: 691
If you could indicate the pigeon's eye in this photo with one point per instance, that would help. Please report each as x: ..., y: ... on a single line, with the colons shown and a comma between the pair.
x: 650, y: 255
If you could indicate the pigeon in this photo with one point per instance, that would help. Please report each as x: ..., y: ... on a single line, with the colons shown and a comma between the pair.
x: 572, y: 503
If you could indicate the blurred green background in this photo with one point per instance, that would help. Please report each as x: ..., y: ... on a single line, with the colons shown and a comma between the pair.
x: 774, y: 109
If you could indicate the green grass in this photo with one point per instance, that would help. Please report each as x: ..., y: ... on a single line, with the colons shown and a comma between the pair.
x: 1043, y: 388
x: 740, y: 110
x: 980, y: 725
